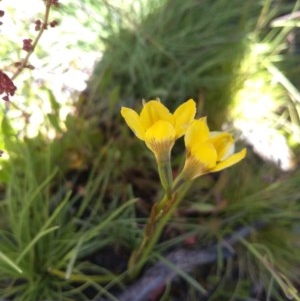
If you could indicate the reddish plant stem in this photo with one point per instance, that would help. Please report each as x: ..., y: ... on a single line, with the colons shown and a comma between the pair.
x: 36, y: 40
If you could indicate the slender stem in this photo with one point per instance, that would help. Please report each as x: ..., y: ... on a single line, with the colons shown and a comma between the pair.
x: 134, y: 258
x: 159, y: 217
x: 165, y: 175
x: 36, y: 40
x: 24, y: 61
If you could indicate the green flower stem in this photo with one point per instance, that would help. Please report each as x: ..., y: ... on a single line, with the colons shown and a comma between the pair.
x: 165, y: 175
x: 179, y: 185
x: 159, y: 217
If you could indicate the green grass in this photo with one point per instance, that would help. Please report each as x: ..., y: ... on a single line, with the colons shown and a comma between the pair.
x: 48, y: 230
x: 181, y: 50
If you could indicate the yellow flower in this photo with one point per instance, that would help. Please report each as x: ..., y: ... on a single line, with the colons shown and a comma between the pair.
x: 208, y: 151
x: 158, y: 127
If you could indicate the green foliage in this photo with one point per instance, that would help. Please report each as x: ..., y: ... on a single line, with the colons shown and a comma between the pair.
x: 180, y: 50
x: 48, y: 230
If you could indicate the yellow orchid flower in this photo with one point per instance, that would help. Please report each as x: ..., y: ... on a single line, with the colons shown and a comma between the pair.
x: 208, y: 151
x: 158, y: 127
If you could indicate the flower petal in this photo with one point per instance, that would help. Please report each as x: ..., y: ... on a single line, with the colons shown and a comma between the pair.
x: 154, y: 111
x: 196, y: 132
x: 199, y: 161
x: 183, y: 116
x: 160, y: 138
x: 134, y: 122
x: 223, y: 143
x: 205, y: 154
x: 233, y: 159
x: 161, y: 130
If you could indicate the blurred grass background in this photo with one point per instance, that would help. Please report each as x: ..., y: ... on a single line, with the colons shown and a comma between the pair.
x: 76, y: 186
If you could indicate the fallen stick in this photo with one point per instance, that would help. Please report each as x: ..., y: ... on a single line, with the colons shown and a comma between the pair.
x: 186, y: 260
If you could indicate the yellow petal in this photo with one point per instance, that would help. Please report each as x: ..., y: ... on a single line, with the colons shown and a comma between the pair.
x: 199, y: 161
x: 205, y: 154
x: 160, y: 138
x: 133, y: 121
x: 161, y: 130
x: 223, y: 143
x: 154, y: 111
x: 196, y: 132
x: 183, y: 116
x: 233, y: 159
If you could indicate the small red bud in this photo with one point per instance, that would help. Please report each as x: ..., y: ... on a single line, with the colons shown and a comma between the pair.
x: 27, y: 46
x: 53, y: 23
x: 38, y: 24
x: 6, y: 86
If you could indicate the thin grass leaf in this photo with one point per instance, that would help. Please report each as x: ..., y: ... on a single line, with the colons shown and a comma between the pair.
x: 10, y: 262
x: 106, y: 222
x: 285, y: 284
x: 71, y: 263
x: 34, y: 241
x: 190, y: 280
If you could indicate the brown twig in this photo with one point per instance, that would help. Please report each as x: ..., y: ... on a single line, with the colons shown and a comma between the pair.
x: 186, y: 260
x: 24, y: 62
